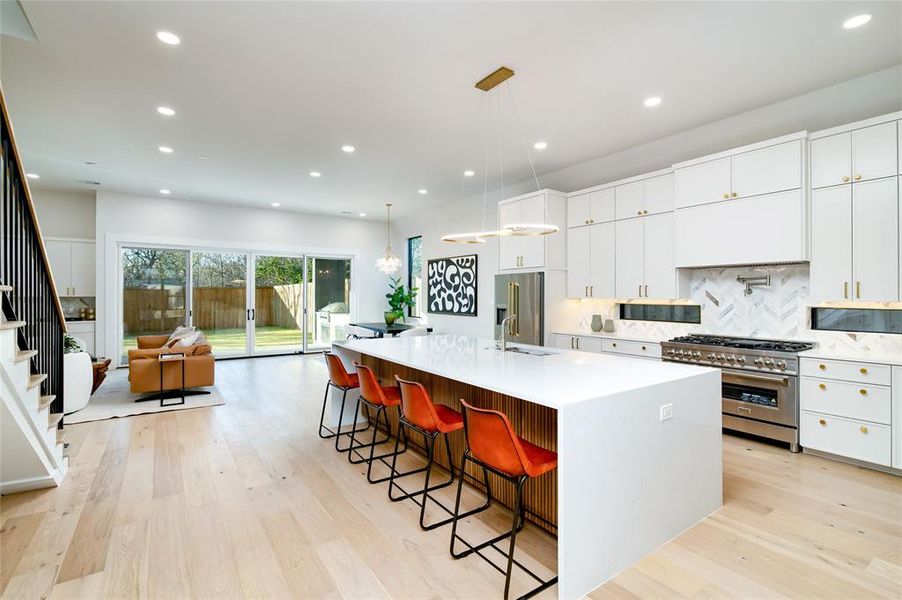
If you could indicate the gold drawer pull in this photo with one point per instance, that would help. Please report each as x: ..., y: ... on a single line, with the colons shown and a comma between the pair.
x: 863, y: 392
x: 822, y: 422
x: 734, y: 194
x: 822, y: 386
x: 822, y: 367
x: 845, y: 179
x: 858, y: 178
x: 864, y: 429
x: 726, y: 196
x: 863, y: 371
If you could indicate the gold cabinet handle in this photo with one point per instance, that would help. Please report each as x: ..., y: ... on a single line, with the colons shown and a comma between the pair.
x: 858, y: 178
x: 845, y: 179
x: 726, y: 196
x: 845, y: 290
x: 591, y: 291
x: 863, y: 392
x: 822, y: 367
x: 822, y: 386
x: 858, y: 290
x: 822, y: 421
x: 591, y: 221
x: 863, y: 371
x: 646, y: 290
x: 864, y: 429
x: 638, y: 212
x: 734, y: 194
x: 640, y: 290
x: 644, y: 212
x: 586, y: 222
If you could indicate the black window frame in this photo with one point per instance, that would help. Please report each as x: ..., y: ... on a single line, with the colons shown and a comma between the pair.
x: 410, y: 242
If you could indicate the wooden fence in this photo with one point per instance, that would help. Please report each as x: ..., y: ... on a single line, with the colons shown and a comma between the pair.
x: 155, y: 310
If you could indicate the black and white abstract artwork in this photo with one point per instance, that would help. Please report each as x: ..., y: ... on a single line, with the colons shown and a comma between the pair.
x: 452, y: 286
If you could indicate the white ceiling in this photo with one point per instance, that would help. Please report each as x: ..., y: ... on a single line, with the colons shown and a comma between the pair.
x: 271, y: 90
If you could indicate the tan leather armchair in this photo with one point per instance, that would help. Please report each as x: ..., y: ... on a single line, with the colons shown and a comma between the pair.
x: 144, y: 368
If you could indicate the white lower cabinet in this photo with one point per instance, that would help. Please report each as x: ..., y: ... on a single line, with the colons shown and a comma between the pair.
x: 897, y: 417
x: 83, y: 330
x: 851, y: 409
x: 650, y: 350
x: 585, y: 343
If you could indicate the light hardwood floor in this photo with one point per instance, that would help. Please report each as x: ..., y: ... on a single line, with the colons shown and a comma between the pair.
x: 244, y: 500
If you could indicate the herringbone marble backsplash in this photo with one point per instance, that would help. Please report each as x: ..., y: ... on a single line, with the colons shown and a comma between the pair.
x: 778, y: 311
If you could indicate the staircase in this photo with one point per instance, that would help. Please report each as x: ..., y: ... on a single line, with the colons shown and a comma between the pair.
x: 32, y: 329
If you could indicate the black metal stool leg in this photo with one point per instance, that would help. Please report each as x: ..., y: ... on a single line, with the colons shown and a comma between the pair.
x: 322, y: 415
x: 394, y: 474
x: 427, y: 497
x: 382, y: 457
x: 516, y: 526
x: 354, y: 448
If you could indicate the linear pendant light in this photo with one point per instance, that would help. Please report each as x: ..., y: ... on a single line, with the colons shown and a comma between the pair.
x: 388, y: 263
x: 487, y: 84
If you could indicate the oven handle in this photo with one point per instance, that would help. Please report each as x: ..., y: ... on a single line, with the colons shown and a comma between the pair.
x: 756, y: 377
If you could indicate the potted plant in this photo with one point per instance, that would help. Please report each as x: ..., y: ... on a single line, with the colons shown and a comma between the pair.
x: 398, y: 300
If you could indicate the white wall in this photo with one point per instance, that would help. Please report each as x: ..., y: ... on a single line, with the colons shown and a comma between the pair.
x: 65, y: 214
x: 871, y: 95
x: 152, y: 219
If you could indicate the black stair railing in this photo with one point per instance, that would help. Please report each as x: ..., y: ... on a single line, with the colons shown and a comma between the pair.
x: 24, y: 266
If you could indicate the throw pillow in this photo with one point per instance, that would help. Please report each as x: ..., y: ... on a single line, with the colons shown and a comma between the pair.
x: 180, y: 332
x: 188, y: 340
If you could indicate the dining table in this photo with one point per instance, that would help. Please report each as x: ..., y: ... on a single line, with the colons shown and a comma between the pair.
x: 381, y: 329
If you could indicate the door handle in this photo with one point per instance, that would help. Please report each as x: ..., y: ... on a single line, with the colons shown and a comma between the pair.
x: 247, y: 314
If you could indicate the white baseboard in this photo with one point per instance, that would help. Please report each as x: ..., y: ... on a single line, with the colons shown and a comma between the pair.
x: 33, y: 483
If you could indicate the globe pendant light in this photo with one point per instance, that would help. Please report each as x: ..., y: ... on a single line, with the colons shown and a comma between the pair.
x: 388, y: 263
x: 486, y: 84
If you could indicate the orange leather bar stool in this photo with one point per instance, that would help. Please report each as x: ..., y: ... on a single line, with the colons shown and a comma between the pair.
x: 378, y: 398
x: 338, y: 378
x: 493, y: 445
x: 420, y: 414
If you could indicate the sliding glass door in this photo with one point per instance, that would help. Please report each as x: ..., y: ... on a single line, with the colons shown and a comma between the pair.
x: 154, y: 293
x: 277, y: 311
x: 245, y: 303
x: 328, y: 300
x: 219, y: 303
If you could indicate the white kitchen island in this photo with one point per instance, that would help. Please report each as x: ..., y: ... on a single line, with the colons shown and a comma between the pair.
x: 629, y: 476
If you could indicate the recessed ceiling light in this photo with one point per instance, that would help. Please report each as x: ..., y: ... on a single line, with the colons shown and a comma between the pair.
x: 168, y: 38
x: 275, y: 205
x: 90, y: 163
x: 315, y: 174
x: 423, y: 191
x: 32, y: 175
x: 540, y: 145
x: 166, y: 111
x: 362, y: 214
x: 165, y: 149
x: 202, y: 156
x: 165, y: 192
x: 857, y: 21
x: 469, y: 173
x: 652, y: 101
x: 348, y: 149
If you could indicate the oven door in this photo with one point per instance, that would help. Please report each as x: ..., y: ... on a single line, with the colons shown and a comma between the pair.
x: 764, y: 397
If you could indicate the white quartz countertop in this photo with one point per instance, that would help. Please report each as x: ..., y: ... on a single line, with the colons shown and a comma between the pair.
x: 562, y: 377
x: 879, y: 357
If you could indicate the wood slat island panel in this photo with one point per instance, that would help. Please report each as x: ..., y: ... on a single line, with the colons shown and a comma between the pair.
x: 535, y: 423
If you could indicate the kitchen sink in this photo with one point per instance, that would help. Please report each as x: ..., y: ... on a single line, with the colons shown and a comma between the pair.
x: 520, y: 350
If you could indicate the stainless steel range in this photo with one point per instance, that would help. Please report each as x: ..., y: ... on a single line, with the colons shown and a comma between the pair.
x: 760, y: 381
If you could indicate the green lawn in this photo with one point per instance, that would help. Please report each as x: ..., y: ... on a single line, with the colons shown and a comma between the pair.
x: 234, y: 339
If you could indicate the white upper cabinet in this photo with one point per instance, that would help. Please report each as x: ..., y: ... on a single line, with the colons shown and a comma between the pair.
x: 533, y: 252
x: 874, y: 152
x: 579, y: 253
x: 630, y: 200
x: 831, y: 160
x: 831, y: 243
x: 602, y: 265
x: 658, y: 194
x: 771, y: 169
x: 72, y: 265
x: 875, y: 239
x: 660, y: 271
x: 702, y: 183
x: 630, y: 259
x: 590, y: 207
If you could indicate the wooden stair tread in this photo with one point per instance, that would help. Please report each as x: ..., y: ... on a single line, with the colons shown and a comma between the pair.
x: 6, y: 288
x: 46, y: 401
x: 53, y: 420
x: 23, y: 355
x: 11, y: 324
x: 35, y: 380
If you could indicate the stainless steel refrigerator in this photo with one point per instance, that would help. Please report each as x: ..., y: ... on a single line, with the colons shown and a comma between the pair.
x: 522, y: 294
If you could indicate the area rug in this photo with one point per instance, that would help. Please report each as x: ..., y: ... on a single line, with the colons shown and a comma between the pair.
x: 113, y: 399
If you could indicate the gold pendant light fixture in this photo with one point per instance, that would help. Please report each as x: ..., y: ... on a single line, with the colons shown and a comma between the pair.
x: 486, y: 85
x: 388, y: 263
